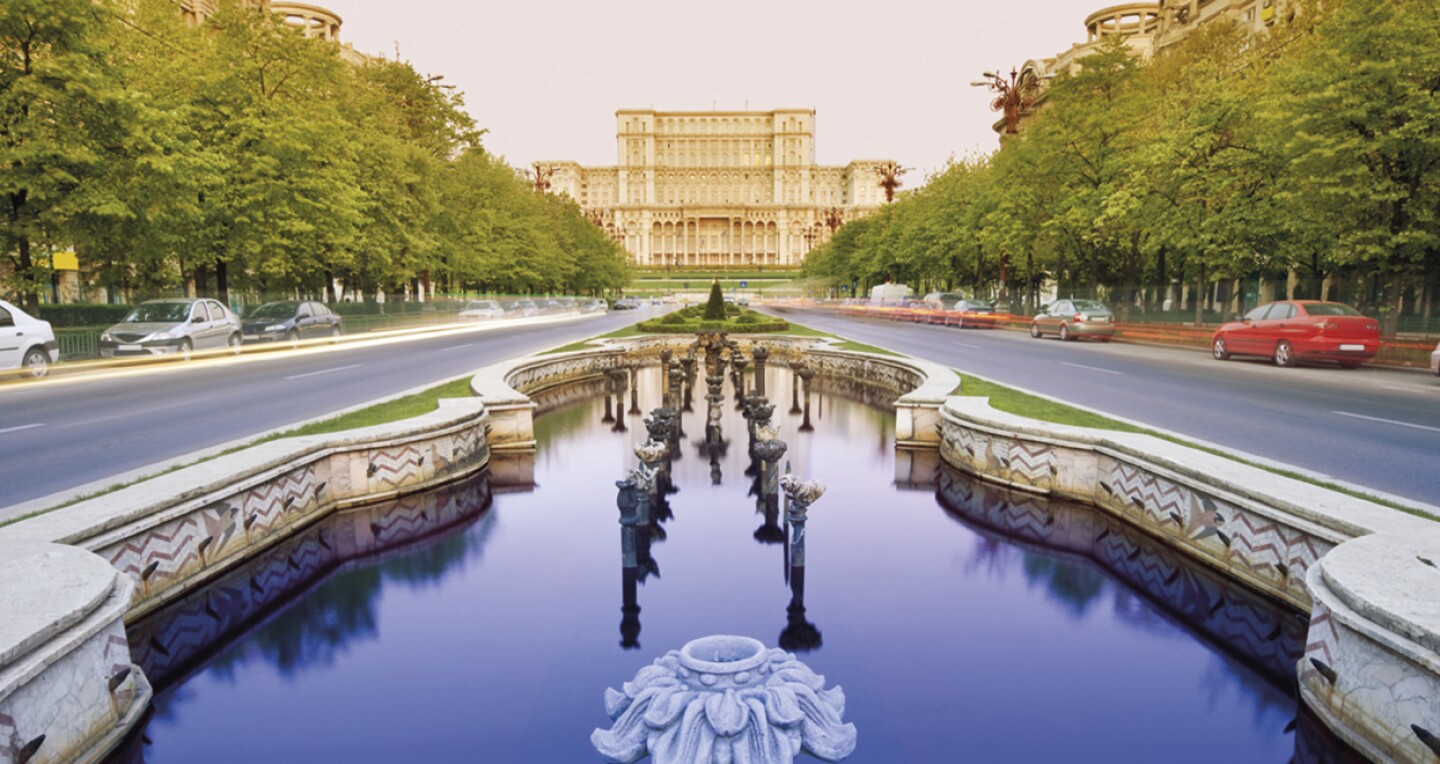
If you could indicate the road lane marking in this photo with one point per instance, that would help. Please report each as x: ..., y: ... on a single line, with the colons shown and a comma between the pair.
x: 1093, y: 368
x: 325, y: 371
x: 457, y: 347
x: 966, y: 345
x: 21, y: 427
x: 1387, y: 421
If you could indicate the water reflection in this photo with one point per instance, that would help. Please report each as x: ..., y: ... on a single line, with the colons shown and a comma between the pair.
x: 958, y: 628
x: 415, y: 539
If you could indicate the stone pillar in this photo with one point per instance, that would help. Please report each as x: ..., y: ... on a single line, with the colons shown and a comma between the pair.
x: 806, y: 374
x: 799, y: 495
x: 762, y: 354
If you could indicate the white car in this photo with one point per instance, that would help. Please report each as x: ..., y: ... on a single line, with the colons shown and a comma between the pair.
x: 26, y: 343
x: 1435, y: 359
x: 482, y: 309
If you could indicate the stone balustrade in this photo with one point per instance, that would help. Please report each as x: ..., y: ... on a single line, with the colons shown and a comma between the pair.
x: 1365, y: 574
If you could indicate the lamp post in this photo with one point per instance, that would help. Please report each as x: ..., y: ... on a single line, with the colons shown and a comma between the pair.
x: 889, y: 174
x: 1013, y: 97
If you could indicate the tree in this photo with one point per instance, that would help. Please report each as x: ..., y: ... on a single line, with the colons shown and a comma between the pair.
x: 60, y: 113
x: 1362, y: 133
x: 715, y: 306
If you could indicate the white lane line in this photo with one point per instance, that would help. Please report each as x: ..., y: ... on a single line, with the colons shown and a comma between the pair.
x: 1387, y: 421
x: 325, y: 371
x: 1093, y: 368
x: 457, y: 347
x: 966, y: 345
x: 21, y: 427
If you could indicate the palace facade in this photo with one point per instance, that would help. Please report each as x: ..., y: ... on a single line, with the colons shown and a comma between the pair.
x: 718, y: 189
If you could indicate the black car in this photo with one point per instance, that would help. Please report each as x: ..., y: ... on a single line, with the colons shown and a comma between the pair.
x: 291, y: 322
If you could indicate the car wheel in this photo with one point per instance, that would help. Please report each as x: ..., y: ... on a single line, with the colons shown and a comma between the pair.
x: 1219, y: 350
x: 1350, y: 364
x: 293, y: 337
x: 1035, y: 331
x: 36, y: 363
x: 1064, y: 333
x: 1284, y: 354
x: 334, y: 335
x: 234, y: 344
x: 185, y: 350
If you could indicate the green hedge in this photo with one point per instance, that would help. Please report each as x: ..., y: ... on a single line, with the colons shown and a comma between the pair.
x: 83, y: 314
x: 733, y: 327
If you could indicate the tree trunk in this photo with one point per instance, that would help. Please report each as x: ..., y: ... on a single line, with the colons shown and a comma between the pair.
x: 1200, y: 295
x: 28, y: 298
x: 222, y: 282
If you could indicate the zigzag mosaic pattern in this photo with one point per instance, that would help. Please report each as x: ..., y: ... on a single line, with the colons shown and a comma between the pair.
x: 1230, y: 614
x: 264, y: 506
x: 392, y: 468
x: 168, y: 642
x: 1268, y: 549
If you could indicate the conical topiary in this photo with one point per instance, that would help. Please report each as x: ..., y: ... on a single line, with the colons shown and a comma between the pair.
x: 715, y: 307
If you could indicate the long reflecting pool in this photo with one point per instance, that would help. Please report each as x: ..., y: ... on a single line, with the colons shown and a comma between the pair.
x: 483, y: 622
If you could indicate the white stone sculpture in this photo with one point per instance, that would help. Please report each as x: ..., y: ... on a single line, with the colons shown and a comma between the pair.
x: 725, y: 700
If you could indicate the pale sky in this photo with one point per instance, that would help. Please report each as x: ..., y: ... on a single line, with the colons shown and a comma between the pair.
x: 888, y: 79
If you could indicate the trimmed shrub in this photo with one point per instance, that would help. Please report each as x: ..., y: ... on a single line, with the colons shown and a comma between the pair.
x: 734, y: 327
x: 82, y: 314
x: 715, y: 308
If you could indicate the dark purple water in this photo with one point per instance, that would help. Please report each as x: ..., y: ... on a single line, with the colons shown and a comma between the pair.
x: 964, y: 623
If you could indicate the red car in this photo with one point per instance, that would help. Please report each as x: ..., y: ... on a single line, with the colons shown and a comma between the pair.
x: 1300, y: 330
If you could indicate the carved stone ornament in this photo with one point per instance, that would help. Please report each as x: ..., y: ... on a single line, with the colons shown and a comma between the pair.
x: 805, y: 491
x: 651, y: 452
x: 769, y: 450
x: 724, y: 699
x: 767, y: 432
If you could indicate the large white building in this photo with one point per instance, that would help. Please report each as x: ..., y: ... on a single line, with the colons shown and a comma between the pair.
x: 718, y: 189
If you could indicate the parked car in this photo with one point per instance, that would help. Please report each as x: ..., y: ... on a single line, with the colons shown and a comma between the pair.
x: 594, y: 306
x: 972, y: 314
x: 1291, y: 331
x: 1069, y: 319
x: 26, y: 343
x: 476, y: 310
x: 1435, y: 359
x: 291, y: 322
x: 172, y: 327
x: 627, y: 303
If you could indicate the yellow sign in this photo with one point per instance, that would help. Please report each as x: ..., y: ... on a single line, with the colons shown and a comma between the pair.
x: 65, y: 261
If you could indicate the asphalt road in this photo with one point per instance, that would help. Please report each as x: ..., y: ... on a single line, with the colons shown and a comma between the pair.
x: 80, y: 427
x: 1374, y: 427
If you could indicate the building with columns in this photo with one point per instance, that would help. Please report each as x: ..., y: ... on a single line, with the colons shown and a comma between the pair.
x: 1148, y: 28
x: 718, y: 189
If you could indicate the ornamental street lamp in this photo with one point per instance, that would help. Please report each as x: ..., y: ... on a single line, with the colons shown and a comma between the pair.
x: 889, y: 173
x: 542, y: 176
x: 1014, y: 97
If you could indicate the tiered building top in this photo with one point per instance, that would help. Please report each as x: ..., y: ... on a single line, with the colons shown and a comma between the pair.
x: 718, y: 188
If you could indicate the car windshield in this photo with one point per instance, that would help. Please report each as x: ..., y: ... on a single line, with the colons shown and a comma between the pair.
x: 274, y: 310
x: 1090, y: 305
x: 479, y: 305
x: 1331, y: 309
x: 159, y: 312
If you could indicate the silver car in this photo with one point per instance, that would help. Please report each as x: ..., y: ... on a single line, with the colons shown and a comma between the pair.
x: 1435, y: 359
x: 1069, y: 319
x: 481, y: 309
x: 172, y: 327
